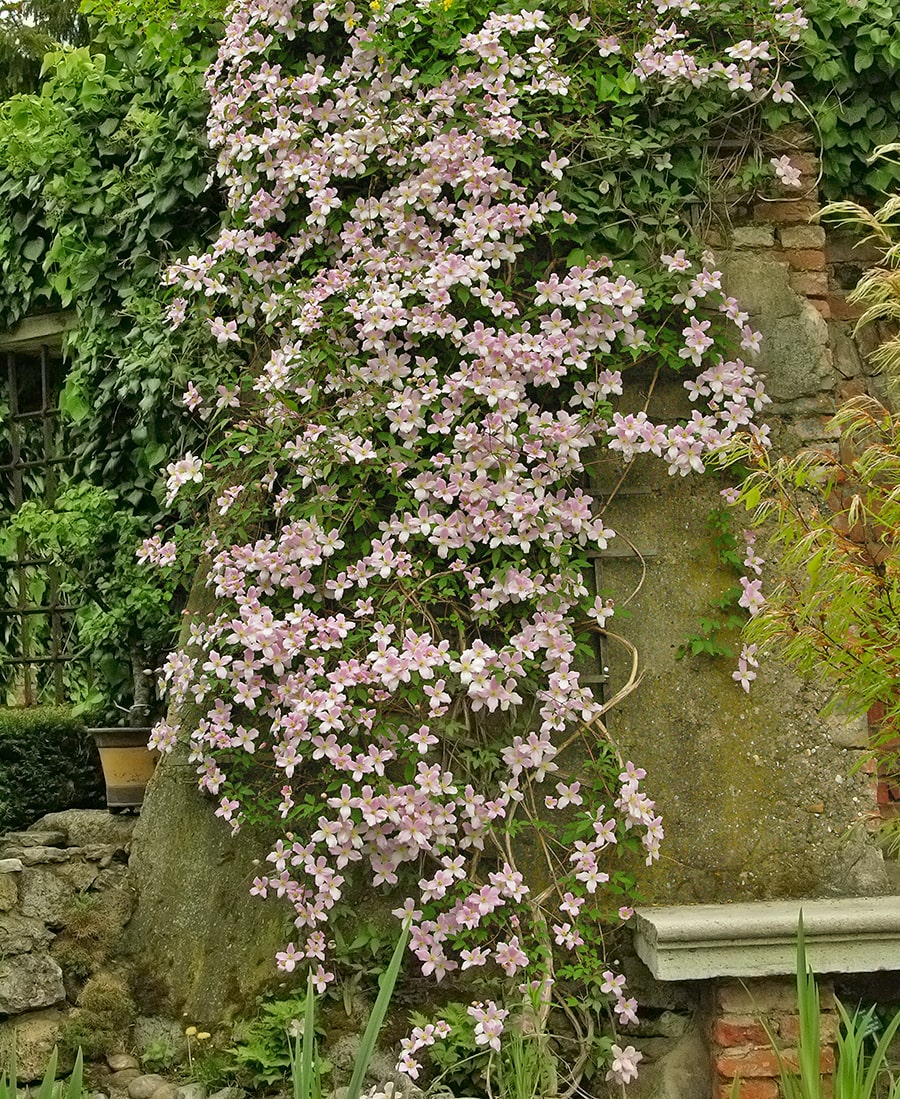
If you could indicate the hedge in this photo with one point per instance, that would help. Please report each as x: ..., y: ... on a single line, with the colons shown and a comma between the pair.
x: 48, y: 762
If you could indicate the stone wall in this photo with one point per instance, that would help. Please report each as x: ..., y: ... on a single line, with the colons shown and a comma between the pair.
x: 760, y: 793
x: 65, y: 859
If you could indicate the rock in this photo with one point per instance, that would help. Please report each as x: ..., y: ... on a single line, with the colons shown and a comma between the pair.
x: 35, y: 1036
x: 84, y: 827
x: 49, y: 838
x: 669, y: 1024
x: 192, y: 1091
x: 80, y: 875
x: 142, y: 1087
x: 38, y: 856
x: 155, y: 1030
x: 10, y: 866
x: 9, y: 892
x: 21, y: 935
x: 847, y: 732
x: 44, y: 896
x: 682, y: 1073
x: 104, y: 853
x: 119, y: 1061
x: 753, y: 236
x: 228, y: 1093
x: 29, y: 981
x: 802, y: 236
x: 120, y: 1079
x: 344, y: 1052
x: 167, y: 1090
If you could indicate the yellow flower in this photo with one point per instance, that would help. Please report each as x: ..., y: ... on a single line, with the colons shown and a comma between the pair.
x: 203, y: 1034
x: 191, y: 1030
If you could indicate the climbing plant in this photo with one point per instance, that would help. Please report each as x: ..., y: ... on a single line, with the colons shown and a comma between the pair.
x: 430, y: 342
x: 847, y: 94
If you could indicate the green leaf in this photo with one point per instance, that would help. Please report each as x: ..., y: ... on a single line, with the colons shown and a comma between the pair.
x: 376, y: 1019
x: 73, y: 404
x: 33, y: 249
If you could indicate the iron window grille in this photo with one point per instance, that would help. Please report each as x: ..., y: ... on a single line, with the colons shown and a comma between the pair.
x: 36, y: 615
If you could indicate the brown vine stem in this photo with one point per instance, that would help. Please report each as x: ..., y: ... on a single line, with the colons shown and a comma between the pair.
x: 640, y: 556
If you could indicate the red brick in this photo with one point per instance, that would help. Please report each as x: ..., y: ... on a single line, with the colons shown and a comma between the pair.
x: 753, y: 996
x: 785, y: 211
x: 808, y: 163
x: 789, y: 1028
x: 805, y: 259
x: 852, y: 387
x: 739, y: 1030
x: 842, y: 310
x: 759, y: 1062
x: 811, y: 284
x: 751, y: 1089
x: 765, y: 1062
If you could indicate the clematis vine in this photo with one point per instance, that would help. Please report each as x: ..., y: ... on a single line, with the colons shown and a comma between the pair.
x: 411, y: 416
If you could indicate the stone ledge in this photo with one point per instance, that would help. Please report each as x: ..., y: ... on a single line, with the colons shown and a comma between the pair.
x: 699, y: 942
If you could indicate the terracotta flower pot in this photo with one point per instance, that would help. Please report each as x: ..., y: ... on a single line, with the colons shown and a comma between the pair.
x: 128, y: 765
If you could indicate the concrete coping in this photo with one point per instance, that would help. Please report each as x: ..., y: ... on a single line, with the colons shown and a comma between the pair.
x: 759, y: 939
x: 43, y: 330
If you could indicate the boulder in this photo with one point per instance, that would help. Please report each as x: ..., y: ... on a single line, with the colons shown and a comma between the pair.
x: 44, y: 895
x: 192, y: 1091
x: 9, y: 892
x: 35, y: 1036
x: 35, y: 838
x: 37, y: 856
x: 119, y: 1061
x: 118, y: 1082
x: 84, y: 827
x: 22, y: 935
x: 167, y: 1090
x: 28, y: 982
x: 143, y: 1087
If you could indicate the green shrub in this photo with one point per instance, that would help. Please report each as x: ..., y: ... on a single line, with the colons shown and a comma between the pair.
x: 47, y: 763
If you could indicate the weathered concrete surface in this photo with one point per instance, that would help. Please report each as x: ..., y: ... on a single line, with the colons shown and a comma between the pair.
x: 756, y: 798
x: 201, y: 945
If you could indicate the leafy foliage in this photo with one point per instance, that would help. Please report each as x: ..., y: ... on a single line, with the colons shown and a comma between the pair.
x: 125, y: 615
x: 836, y: 516
x: 28, y: 30
x: 104, y: 173
x: 846, y: 78
x: 47, y: 763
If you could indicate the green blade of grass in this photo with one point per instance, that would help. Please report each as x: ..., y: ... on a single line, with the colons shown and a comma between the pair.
x: 878, y: 1058
x: 376, y: 1019
x: 9, y: 1081
x: 45, y: 1091
x: 76, y: 1080
x: 309, y: 1040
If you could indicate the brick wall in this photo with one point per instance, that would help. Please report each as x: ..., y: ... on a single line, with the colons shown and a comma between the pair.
x: 740, y: 1045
